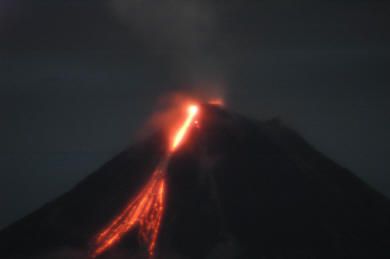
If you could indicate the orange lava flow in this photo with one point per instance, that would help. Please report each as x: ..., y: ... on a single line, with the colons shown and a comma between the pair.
x: 192, y: 112
x: 147, y: 208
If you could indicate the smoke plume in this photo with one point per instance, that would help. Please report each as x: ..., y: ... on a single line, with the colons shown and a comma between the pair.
x: 181, y: 31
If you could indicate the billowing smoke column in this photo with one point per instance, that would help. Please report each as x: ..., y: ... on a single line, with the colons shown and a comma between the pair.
x: 146, y: 209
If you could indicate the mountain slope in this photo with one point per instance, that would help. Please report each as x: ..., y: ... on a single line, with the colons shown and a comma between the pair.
x: 238, y: 188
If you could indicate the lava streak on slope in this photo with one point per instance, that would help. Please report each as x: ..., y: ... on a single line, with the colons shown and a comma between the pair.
x: 147, y: 208
x: 192, y: 111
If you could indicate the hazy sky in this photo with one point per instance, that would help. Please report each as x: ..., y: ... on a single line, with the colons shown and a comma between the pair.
x: 79, y: 77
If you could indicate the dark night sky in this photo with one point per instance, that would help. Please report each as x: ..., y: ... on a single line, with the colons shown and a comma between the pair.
x: 79, y: 77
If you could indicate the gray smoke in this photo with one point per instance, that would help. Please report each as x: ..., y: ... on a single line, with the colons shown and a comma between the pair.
x: 182, y: 31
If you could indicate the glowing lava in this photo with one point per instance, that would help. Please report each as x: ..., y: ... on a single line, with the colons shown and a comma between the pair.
x: 217, y: 102
x: 192, y: 112
x: 147, y: 208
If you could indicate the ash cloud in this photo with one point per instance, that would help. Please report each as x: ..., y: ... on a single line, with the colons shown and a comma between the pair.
x: 181, y: 31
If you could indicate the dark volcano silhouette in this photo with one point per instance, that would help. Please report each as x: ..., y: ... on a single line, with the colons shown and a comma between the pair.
x: 238, y: 188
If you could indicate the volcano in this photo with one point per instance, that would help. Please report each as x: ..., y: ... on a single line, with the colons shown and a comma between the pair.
x: 237, y: 188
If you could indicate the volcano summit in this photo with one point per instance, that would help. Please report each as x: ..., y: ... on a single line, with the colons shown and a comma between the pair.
x: 236, y: 188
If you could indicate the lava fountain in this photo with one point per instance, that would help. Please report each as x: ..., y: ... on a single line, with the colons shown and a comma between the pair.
x: 146, y: 209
